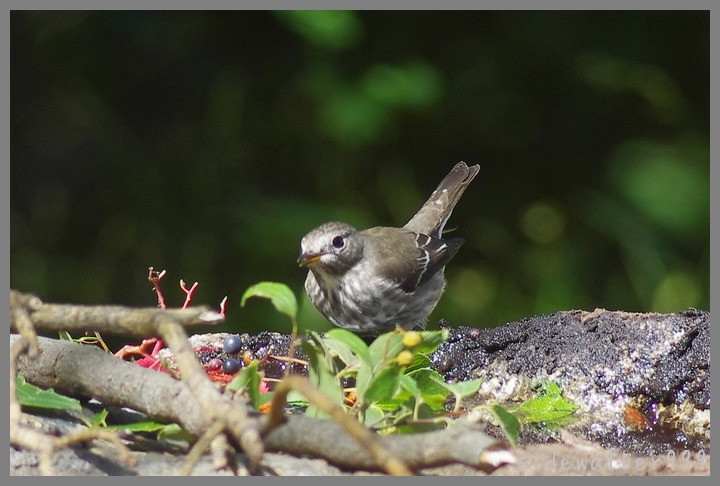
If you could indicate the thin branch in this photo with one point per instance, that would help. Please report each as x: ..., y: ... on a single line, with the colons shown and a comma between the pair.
x: 125, y: 321
x: 199, y: 448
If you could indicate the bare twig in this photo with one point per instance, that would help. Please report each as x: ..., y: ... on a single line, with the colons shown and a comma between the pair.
x: 199, y: 448
x: 20, y: 307
x: 118, y: 320
x: 215, y: 405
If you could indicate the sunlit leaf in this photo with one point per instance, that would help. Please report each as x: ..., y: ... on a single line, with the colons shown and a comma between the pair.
x: 549, y: 405
x: 374, y: 416
x: 321, y: 373
x: 352, y: 340
x: 431, y: 340
x: 279, y: 294
x: 433, y: 389
x: 384, y: 348
x: 464, y: 388
x: 507, y: 421
x: 382, y: 386
x: 31, y: 396
x: 175, y: 433
x: 144, y: 426
x: 99, y: 419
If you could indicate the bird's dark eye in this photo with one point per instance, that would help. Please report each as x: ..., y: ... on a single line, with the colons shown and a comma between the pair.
x: 338, y: 242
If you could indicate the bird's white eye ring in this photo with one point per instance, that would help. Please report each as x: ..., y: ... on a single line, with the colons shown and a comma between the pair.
x: 338, y: 242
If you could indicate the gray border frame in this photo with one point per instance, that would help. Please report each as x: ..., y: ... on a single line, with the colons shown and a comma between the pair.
x: 372, y: 4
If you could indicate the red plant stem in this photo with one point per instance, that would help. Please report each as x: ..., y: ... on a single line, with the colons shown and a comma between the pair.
x: 188, y: 293
x: 155, y: 278
x: 223, y: 303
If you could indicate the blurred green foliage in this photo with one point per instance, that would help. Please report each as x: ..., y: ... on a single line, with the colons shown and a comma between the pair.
x: 209, y: 143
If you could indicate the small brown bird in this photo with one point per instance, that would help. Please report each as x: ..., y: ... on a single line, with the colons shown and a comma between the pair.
x: 365, y: 281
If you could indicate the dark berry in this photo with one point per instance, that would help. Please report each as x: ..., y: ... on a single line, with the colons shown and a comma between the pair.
x: 231, y: 366
x: 232, y: 344
x: 215, y: 364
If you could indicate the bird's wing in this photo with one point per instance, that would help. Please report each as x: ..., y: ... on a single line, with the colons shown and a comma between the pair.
x: 410, y: 258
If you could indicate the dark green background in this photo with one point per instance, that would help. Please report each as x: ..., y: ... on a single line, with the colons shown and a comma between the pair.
x: 209, y: 143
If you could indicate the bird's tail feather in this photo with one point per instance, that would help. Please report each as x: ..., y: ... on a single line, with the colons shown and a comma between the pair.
x: 433, y: 215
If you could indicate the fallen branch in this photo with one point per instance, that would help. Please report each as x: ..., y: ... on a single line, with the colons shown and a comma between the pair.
x: 195, y: 402
x: 463, y: 442
x: 86, y: 371
x: 387, y: 460
x: 45, y: 446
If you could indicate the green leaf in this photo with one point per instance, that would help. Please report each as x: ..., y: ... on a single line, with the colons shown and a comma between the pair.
x: 249, y: 379
x: 464, y: 388
x: 145, y: 426
x: 294, y: 397
x: 341, y: 351
x: 433, y: 389
x: 431, y: 341
x: 322, y: 351
x: 412, y: 396
x: 266, y: 397
x: 418, y: 427
x: 549, y: 405
x: 393, y: 405
x: 373, y: 416
x: 417, y: 84
x: 362, y: 379
x: 428, y: 395
x: 279, y: 294
x: 410, y: 384
x: 385, y: 347
x: 382, y: 386
x: 508, y: 422
x: 321, y: 373
x: 352, y: 341
x: 99, y: 419
x: 175, y: 433
x: 65, y: 336
x: 32, y: 396
x: 419, y: 362
x: 329, y: 29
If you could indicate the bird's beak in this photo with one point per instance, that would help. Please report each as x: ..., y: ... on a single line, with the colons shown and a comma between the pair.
x: 307, y: 259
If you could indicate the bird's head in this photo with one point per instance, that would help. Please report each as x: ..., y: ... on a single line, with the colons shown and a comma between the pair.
x: 331, y: 248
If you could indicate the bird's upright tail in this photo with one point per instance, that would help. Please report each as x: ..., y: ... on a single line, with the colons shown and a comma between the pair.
x: 433, y: 215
